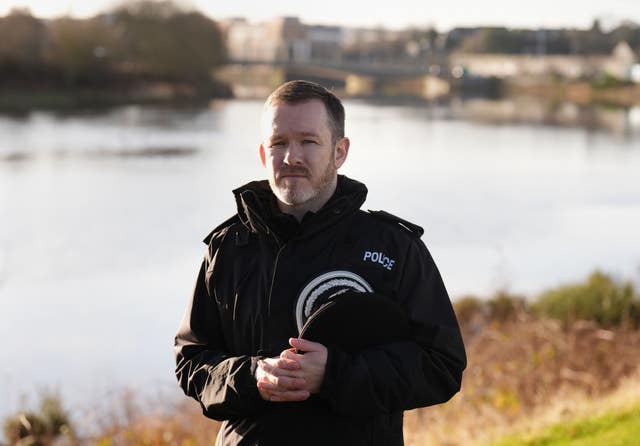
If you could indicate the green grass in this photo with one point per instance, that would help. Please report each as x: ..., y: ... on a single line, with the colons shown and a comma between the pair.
x: 615, y: 428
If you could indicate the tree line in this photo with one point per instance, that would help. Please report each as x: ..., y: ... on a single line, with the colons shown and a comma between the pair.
x: 140, y: 41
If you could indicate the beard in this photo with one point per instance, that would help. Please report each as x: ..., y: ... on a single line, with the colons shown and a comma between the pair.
x: 298, y: 191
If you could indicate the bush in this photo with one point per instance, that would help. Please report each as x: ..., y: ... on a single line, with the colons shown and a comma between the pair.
x: 43, y: 428
x: 27, y: 429
x: 600, y: 299
x: 469, y: 307
x: 504, y: 306
x: 475, y: 314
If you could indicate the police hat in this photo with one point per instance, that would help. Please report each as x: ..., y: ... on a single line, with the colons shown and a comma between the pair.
x: 353, y: 321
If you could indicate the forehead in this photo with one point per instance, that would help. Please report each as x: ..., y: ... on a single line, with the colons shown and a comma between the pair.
x: 301, y: 117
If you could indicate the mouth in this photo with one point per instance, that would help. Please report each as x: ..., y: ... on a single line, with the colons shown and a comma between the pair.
x: 284, y: 175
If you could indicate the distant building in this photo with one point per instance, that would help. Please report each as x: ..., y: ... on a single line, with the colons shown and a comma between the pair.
x: 618, y: 64
x: 457, y: 35
x: 326, y: 43
x: 388, y: 48
x: 249, y: 42
x: 354, y: 37
x: 283, y: 40
x: 635, y: 73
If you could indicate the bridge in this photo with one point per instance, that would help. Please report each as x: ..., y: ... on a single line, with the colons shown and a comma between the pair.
x: 254, y: 78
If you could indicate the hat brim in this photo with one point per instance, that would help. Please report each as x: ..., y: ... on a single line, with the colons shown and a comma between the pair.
x: 355, y: 321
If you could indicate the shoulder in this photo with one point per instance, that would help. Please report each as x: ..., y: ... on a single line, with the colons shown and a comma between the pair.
x: 398, y: 238
x: 394, y: 223
x: 222, y: 229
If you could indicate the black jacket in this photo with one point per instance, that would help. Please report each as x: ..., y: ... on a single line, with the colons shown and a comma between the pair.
x: 259, y: 265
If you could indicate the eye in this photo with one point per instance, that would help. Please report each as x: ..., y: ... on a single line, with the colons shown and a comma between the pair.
x: 276, y: 145
x: 309, y: 141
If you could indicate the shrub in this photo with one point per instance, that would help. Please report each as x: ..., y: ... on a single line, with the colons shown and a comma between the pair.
x: 40, y: 429
x: 475, y: 314
x: 26, y: 428
x: 504, y: 306
x: 54, y: 415
x: 600, y: 299
x: 469, y: 307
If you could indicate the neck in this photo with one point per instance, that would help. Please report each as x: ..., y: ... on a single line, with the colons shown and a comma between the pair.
x: 313, y: 205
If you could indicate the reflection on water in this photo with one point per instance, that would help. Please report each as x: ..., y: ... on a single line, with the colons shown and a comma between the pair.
x: 618, y: 121
x: 127, y: 131
x: 145, y: 152
x: 102, y: 216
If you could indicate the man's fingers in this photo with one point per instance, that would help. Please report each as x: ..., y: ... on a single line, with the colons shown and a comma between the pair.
x: 281, y: 367
x: 288, y: 364
x: 289, y: 395
x: 290, y: 355
x: 273, y: 378
x: 282, y: 363
x: 306, y: 346
x: 271, y: 382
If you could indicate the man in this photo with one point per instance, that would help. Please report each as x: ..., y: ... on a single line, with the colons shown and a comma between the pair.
x: 296, y: 241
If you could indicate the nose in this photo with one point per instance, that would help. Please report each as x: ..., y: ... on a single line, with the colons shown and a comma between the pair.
x: 293, y: 154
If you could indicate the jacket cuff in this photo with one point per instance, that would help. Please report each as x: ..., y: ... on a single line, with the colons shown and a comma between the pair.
x: 330, y: 383
x: 252, y: 384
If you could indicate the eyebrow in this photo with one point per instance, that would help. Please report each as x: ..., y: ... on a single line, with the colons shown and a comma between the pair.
x: 278, y: 136
x: 309, y: 134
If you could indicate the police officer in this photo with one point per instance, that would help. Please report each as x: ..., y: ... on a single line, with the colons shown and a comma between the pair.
x: 297, y: 241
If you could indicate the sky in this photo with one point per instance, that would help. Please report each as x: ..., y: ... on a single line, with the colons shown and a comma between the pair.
x: 443, y: 15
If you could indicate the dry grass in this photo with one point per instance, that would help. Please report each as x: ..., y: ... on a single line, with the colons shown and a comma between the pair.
x: 179, y: 425
x: 526, y: 372
x: 578, y: 407
x: 523, y: 373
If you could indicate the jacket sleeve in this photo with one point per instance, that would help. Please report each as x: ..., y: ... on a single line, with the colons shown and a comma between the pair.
x: 223, y: 384
x: 393, y: 377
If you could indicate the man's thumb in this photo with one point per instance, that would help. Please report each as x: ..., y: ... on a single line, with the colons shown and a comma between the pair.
x: 304, y: 345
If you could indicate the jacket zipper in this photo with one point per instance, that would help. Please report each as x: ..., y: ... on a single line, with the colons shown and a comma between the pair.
x: 273, y: 280
x: 265, y: 328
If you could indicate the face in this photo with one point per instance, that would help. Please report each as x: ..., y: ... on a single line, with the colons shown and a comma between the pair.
x: 300, y: 156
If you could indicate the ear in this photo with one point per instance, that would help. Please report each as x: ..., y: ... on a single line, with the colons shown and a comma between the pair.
x: 263, y: 157
x: 341, y: 152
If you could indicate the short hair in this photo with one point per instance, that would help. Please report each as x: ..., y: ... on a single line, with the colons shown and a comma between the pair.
x: 297, y: 91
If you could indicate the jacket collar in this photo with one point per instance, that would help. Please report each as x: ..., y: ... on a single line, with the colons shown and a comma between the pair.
x: 259, y: 212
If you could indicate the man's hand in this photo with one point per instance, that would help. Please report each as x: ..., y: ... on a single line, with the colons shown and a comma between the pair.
x: 292, y: 376
x: 280, y: 379
x: 312, y: 363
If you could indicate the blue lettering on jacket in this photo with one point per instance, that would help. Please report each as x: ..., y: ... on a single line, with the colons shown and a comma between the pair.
x: 378, y: 257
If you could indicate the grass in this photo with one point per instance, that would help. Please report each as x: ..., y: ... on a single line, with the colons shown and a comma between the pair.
x: 531, y: 370
x: 615, y: 428
x: 608, y: 420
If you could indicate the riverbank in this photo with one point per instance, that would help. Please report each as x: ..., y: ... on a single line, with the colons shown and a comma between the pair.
x: 22, y: 99
x: 581, y: 93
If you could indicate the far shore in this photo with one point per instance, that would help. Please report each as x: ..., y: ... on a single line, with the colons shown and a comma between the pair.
x: 582, y: 93
x: 24, y: 98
